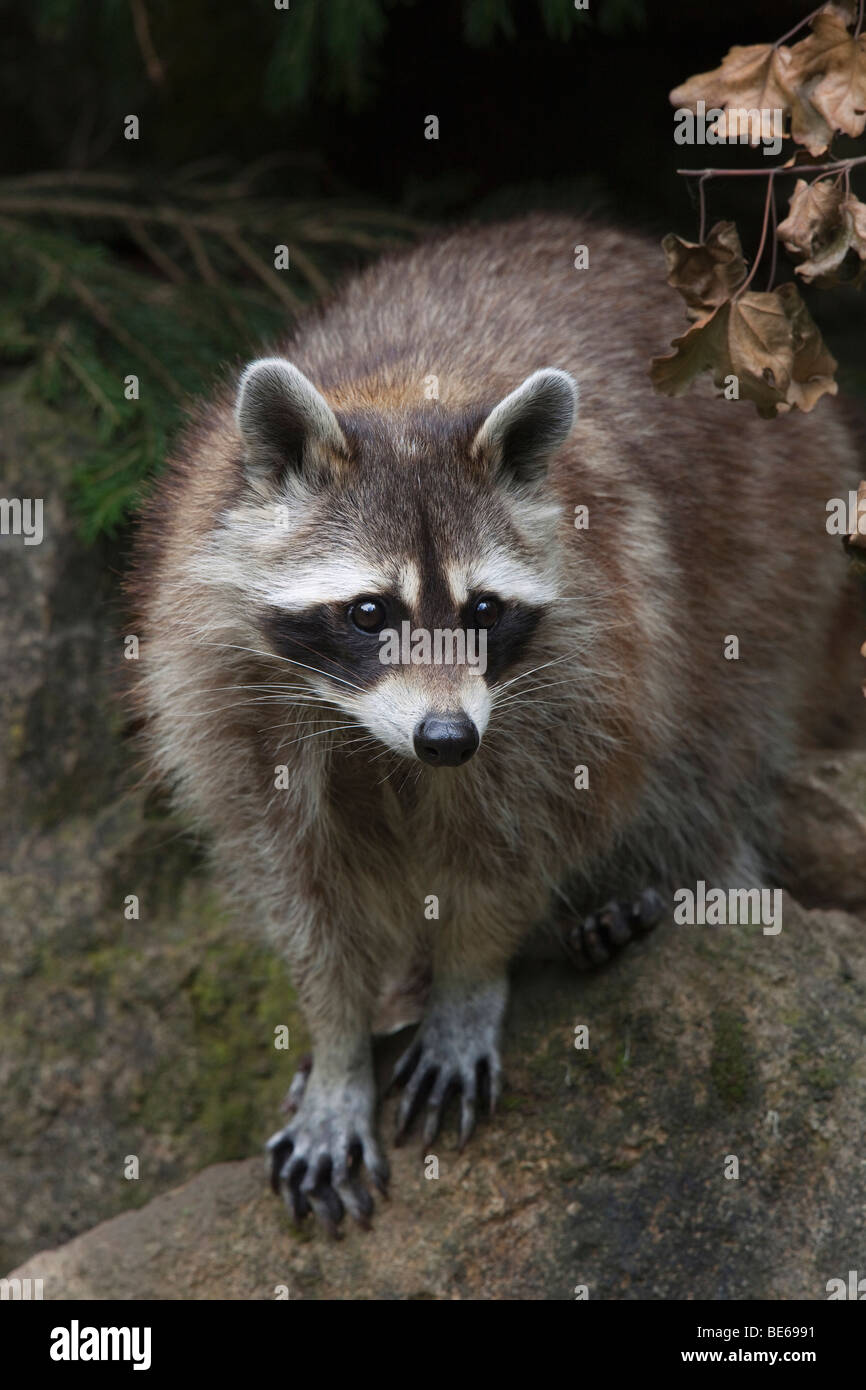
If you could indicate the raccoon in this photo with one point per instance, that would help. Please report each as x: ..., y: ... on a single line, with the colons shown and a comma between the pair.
x: 465, y: 441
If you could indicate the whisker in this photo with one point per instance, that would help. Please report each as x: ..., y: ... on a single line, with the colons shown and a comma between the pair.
x: 317, y: 733
x: 268, y: 728
x: 267, y: 700
x: 289, y: 661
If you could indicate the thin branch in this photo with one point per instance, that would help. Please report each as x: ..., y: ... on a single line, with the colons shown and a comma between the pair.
x: 778, y: 170
x: 102, y: 316
x: 160, y: 258
x: 751, y: 275
x: 98, y: 207
x: 92, y: 387
x: 260, y: 268
x: 773, y: 236
x: 50, y: 178
x: 791, y: 32
x: 309, y: 269
x: 209, y: 276
x: 141, y: 24
x: 199, y: 254
x: 97, y: 310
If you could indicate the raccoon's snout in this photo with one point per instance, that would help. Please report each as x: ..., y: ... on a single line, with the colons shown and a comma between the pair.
x: 446, y: 740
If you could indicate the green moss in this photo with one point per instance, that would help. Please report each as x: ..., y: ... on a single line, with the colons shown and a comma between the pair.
x: 217, y: 1091
x: 731, y: 1064
x: 818, y: 1074
x: 823, y: 1078
x: 511, y: 1103
x: 238, y: 994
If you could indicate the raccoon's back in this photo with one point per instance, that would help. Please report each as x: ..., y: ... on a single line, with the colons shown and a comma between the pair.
x: 482, y: 307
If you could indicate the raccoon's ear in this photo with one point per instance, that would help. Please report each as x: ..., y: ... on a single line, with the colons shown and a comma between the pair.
x: 521, y: 434
x: 285, y: 423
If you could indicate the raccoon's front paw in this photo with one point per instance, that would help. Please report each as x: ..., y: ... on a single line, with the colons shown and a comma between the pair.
x: 316, y: 1160
x: 456, y: 1049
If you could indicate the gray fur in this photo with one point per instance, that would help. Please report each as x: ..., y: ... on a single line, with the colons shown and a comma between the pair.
x: 522, y: 433
x: 704, y: 521
x: 281, y: 415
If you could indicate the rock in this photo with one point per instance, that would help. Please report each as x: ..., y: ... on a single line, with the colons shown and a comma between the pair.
x: 824, y: 815
x: 117, y: 1034
x: 606, y: 1166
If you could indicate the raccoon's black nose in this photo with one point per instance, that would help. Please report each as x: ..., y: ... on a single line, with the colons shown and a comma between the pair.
x: 446, y: 740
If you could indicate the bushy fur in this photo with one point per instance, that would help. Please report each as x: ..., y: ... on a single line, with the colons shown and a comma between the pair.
x: 704, y: 521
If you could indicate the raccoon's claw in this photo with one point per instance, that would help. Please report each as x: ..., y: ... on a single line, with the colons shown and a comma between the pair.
x: 315, y: 1164
x: 456, y: 1051
x: 431, y: 1087
x: 595, y: 940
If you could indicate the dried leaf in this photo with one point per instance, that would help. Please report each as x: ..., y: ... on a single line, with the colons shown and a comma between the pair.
x: 705, y: 273
x: 855, y: 214
x: 819, y: 83
x: 751, y: 77
x: 855, y: 543
x: 769, y: 342
x: 846, y: 10
x: 858, y: 536
x: 822, y: 267
x: 846, y: 236
x: 813, y: 366
x: 813, y: 216
x: 757, y: 78
x: 830, y: 66
x: 808, y: 126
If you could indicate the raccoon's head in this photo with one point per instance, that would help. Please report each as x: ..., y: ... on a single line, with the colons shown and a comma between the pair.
x: 400, y: 559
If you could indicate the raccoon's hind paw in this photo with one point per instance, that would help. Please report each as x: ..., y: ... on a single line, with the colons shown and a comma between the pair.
x: 597, y: 938
x: 456, y: 1050
x: 315, y: 1162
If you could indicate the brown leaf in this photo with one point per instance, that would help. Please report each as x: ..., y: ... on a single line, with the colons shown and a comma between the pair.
x: 847, y: 235
x: 855, y: 214
x: 758, y: 77
x: 808, y: 126
x: 813, y: 366
x: 829, y: 66
x: 822, y: 267
x: 813, y: 216
x: 858, y: 535
x: 751, y: 77
x: 769, y: 342
x: 819, y: 83
x: 705, y: 273
x: 845, y: 9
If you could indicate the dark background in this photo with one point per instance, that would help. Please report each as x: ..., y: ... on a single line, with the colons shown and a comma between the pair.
x: 307, y: 126
x: 546, y: 104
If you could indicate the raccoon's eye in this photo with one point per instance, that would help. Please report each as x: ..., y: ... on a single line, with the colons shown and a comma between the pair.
x: 485, y: 613
x: 368, y: 615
